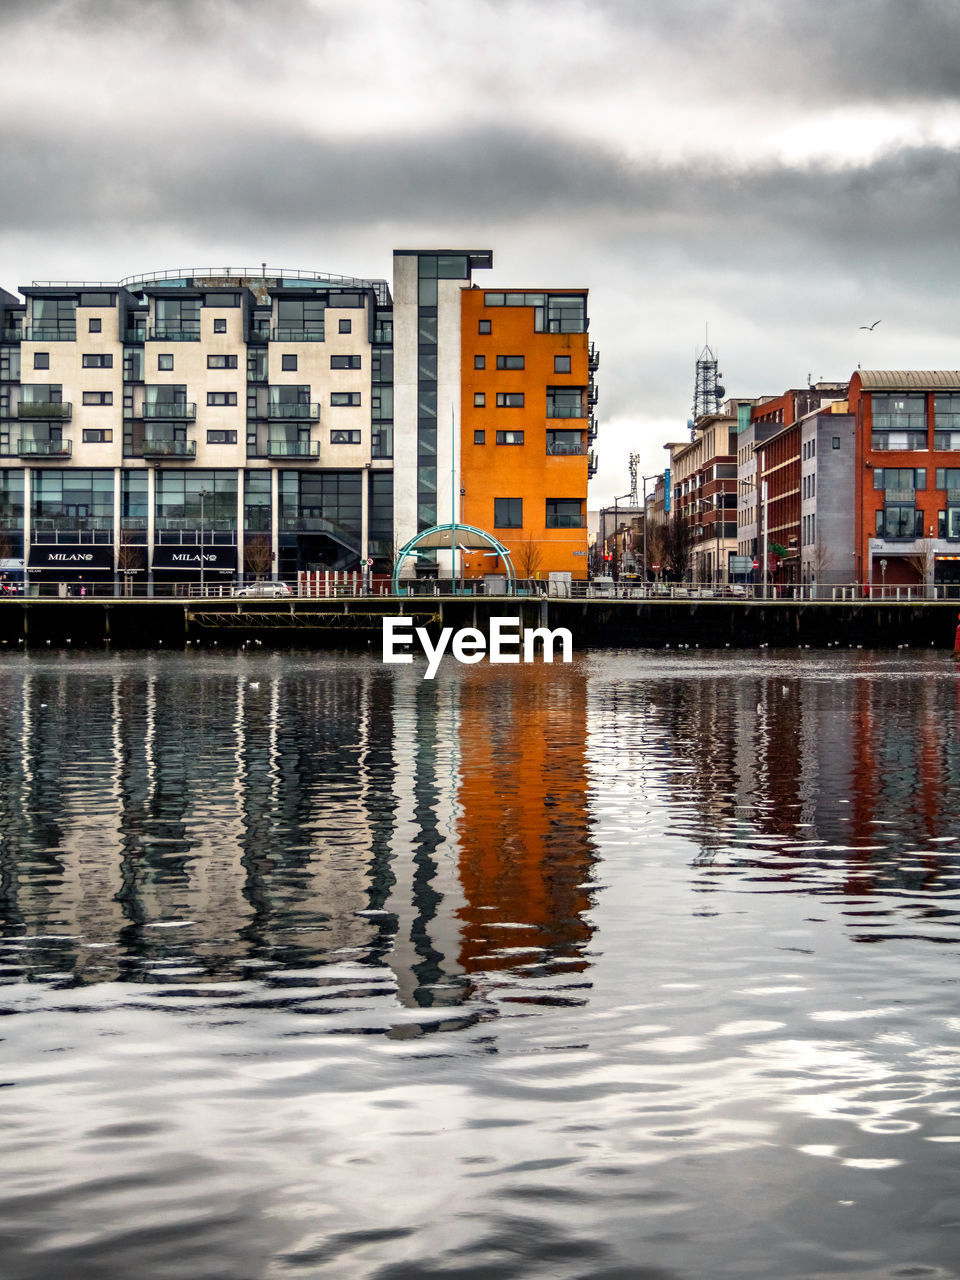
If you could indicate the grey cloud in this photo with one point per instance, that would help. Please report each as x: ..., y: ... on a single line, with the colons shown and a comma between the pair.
x: 264, y: 179
x: 821, y: 50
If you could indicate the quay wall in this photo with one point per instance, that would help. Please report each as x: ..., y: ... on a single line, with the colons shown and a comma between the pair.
x: 357, y: 622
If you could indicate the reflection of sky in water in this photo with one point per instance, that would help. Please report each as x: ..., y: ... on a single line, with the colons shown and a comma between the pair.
x: 627, y: 899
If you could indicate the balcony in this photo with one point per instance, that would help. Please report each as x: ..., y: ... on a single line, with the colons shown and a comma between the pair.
x: 292, y: 449
x: 899, y: 497
x: 593, y: 359
x: 176, y: 410
x: 56, y: 334
x: 164, y: 334
x: 592, y: 464
x: 558, y: 449
x: 561, y: 520
x: 295, y: 412
x: 57, y: 409
x: 169, y: 448
x: 11, y: 335
x: 44, y: 448
x: 312, y: 334
x: 565, y: 410
x: 136, y: 334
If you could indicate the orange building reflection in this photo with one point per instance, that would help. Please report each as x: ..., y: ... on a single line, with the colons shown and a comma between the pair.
x: 525, y: 844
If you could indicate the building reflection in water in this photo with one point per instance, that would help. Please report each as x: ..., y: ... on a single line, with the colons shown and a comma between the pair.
x: 178, y: 819
x: 840, y: 766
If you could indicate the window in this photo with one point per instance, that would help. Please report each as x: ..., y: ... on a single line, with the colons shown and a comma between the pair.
x: 95, y: 324
x: 97, y: 435
x: 509, y: 437
x: 479, y: 437
x: 483, y: 326
x: 41, y: 359
x: 221, y: 362
x: 561, y: 364
x: 479, y: 362
x: 221, y: 397
x: 948, y: 477
x: 564, y: 513
x: 340, y: 398
x: 344, y: 437
x: 835, y: 443
x: 98, y: 397
x: 165, y: 363
x: 344, y: 326
x: 900, y: 478
x: 899, y: 422
x: 220, y: 326
x: 479, y: 399
x: 509, y: 362
x: 221, y: 437
x: 899, y: 521
x: 565, y: 402
x: 508, y: 513
x: 344, y: 362
x: 288, y: 363
x: 509, y: 399
x: 97, y: 361
x: 565, y: 443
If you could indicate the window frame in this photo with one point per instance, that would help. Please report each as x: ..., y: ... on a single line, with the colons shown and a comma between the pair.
x: 505, y: 523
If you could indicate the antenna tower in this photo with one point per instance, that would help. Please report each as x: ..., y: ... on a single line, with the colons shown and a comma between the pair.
x: 707, y: 391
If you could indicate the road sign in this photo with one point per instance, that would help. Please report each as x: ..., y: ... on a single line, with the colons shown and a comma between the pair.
x: 369, y: 562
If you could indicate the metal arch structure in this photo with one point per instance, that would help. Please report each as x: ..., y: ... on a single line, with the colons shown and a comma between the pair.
x: 452, y: 537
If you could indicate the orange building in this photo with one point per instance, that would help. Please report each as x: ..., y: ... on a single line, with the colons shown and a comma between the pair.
x: 527, y: 397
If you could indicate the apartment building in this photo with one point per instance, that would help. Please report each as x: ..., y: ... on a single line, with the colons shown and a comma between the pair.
x: 704, y: 477
x: 827, y: 446
x: 907, y: 459
x: 527, y: 412
x: 207, y: 422
x: 775, y: 505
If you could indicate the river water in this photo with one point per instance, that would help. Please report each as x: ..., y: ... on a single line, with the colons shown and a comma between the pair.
x: 645, y: 966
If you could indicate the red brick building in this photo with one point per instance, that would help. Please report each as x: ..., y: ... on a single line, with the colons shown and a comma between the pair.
x: 907, y: 504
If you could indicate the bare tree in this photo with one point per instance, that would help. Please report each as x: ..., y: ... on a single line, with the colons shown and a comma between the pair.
x: 676, y: 547
x: 921, y: 558
x: 527, y: 557
x: 131, y: 557
x: 821, y: 559
x: 258, y: 556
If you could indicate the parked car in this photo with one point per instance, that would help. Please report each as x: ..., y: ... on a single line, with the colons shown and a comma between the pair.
x: 261, y: 589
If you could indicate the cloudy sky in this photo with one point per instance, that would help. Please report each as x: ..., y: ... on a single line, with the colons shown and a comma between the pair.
x: 775, y: 172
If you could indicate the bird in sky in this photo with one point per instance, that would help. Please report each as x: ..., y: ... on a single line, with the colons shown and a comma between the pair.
x: 870, y: 327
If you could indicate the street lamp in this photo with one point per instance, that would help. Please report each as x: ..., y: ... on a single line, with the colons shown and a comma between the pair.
x: 203, y: 494
x: 655, y: 476
x: 616, y: 534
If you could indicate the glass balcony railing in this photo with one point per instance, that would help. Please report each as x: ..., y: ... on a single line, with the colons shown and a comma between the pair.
x: 45, y: 409
x: 163, y: 333
x: 153, y: 448
x: 314, y: 333
x: 178, y: 410
x: 561, y: 520
x: 563, y: 449
x: 565, y: 410
x: 292, y: 449
x: 300, y: 412
x: 11, y: 335
x: 65, y: 333
x: 44, y: 448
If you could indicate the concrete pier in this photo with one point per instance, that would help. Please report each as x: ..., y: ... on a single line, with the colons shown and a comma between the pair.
x: 356, y: 622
